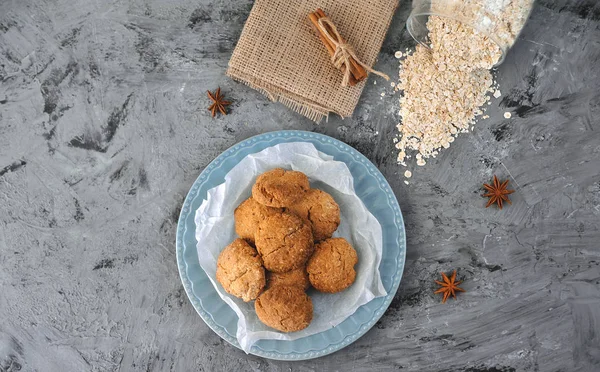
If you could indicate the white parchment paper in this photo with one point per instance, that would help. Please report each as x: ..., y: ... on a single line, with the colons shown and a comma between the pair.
x: 215, y: 230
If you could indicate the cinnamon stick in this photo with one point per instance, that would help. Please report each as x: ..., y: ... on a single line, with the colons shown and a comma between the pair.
x: 357, y: 72
x: 314, y: 18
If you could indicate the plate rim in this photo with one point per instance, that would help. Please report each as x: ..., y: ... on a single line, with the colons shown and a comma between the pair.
x: 192, y: 194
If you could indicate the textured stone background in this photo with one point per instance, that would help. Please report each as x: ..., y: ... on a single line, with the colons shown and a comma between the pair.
x: 103, y: 129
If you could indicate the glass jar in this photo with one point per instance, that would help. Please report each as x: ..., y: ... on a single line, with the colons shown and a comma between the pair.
x: 500, y: 20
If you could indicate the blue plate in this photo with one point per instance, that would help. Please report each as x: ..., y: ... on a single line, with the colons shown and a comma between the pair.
x: 370, y: 186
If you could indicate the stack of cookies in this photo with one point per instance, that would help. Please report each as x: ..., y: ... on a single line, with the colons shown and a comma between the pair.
x: 285, y: 247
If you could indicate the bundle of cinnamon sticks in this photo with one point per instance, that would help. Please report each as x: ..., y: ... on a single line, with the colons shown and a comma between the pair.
x: 357, y: 72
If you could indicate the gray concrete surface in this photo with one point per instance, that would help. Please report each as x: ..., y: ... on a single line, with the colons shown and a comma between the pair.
x: 103, y: 129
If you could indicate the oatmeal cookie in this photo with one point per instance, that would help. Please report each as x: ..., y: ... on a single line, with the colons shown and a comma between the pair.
x: 248, y: 215
x: 280, y: 188
x: 285, y: 308
x: 240, y: 270
x: 331, y: 267
x: 297, y: 278
x: 284, y: 241
x: 320, y: 210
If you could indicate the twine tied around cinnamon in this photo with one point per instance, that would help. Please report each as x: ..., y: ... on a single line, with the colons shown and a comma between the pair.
x: 343, y: 52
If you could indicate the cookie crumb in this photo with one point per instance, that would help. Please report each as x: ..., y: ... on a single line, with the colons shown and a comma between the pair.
x: 497, y: 94
x: 398, y: 54
x: 407, y: 174
x: 406, y: 182
x: 383, y: 94
x: 507, y: 115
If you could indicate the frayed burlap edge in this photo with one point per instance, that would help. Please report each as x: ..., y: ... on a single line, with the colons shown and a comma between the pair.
x: 311, y: 110
x: 261, y: 58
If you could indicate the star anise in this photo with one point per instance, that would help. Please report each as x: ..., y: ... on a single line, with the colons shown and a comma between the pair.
x: 449, y: 286
x: 218, y: 102
x: 497, y: 192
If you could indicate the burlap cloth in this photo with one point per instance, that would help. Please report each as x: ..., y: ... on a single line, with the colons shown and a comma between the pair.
x: 279, y: 52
